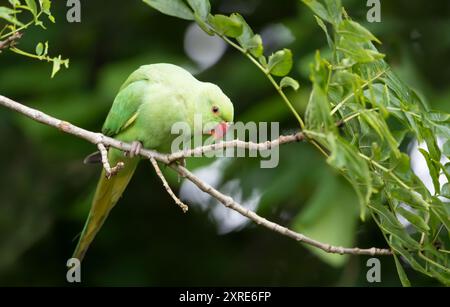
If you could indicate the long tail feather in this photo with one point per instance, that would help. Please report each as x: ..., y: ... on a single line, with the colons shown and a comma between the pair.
x: 106, y: 196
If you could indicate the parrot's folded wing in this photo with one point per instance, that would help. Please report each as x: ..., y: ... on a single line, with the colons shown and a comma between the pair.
x: 125, y: 108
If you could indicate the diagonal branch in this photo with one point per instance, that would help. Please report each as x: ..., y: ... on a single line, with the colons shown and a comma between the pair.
x: 98, y: 138
x: 182, y: 205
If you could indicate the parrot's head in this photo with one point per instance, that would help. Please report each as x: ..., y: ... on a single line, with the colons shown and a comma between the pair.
x: 216, y: 109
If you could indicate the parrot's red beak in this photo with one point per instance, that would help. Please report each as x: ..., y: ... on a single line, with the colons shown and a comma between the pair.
x: 220, y: 130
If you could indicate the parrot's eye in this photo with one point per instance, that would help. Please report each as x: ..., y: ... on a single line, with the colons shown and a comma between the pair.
x: 215, y: 109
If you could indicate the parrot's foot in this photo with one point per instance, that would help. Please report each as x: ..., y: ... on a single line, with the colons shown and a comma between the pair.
x: 135, y: 150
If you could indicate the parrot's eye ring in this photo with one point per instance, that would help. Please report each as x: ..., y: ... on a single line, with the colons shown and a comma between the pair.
x: 215, y: 109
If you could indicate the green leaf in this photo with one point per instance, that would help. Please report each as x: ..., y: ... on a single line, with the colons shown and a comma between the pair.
x: 318, y: 110
x: 31, y: 4
x: 324, y: 28
x: 57, y: 62
x: 39, y: 49
x: 389, y: 223
x: 446, y: 149
x: 224, y: 25
x: 345, y: 157
x: 14, y: 2
x: 411, y: 198
x: 51, y: 18
x: 334, y: 8
x: 357, y: 51
x: 442, y: 211
x: 445, y: 191
x: 45, y: 5
x: 354, y: 31
x: 433, y: 169
x: 176, y: 8
x: 8, y: 15
x: 280, y: 63
x: 201, y: 7
x: 248, y: 40
x: 318, y: 9
x: 401, y: 273
x: 413, y: 218
x: 289, y: 82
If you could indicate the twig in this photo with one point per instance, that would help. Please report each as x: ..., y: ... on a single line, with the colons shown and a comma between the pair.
x: 183, y: 206
x: 232, y: 204
x: 110, y: 171
x: 98, y: 138
x: 340, y: 104
x: 200, y: 151
x: 11, y: 41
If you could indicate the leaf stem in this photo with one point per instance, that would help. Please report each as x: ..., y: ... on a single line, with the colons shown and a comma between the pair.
x: 340, y: 104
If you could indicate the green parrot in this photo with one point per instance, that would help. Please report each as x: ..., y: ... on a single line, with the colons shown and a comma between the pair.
x: 151, y: 100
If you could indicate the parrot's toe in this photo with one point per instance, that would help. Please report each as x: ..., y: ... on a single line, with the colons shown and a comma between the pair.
x: 135, y: 150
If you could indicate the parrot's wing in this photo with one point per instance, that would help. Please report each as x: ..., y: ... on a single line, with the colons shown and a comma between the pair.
x: 125, y: 108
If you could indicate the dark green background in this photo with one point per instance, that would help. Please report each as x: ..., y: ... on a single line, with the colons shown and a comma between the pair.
x: 45, y: 189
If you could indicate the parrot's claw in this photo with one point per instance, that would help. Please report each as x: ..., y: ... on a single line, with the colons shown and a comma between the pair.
x: 135, y: 150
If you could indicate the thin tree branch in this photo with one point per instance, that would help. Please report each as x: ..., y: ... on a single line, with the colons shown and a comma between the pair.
x: 11, y: 41
x: 98, y: 138
x: 200, y: 151
x: 182, y: 205
x: 110, y: 171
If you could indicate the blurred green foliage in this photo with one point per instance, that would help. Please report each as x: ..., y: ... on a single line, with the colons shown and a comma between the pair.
x: 46, y: 190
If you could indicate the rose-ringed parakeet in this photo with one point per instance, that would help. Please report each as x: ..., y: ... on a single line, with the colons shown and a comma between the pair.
x: 151, y: 100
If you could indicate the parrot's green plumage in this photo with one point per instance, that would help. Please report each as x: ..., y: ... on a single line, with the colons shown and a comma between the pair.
x: 151, y: 100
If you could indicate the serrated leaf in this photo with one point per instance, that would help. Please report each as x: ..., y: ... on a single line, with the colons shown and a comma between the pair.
x: 389, y: 223
x: 413, y: 218
x: 354, y: 31
x: 176, y: 8
x: 201, y: 7
x: 31, y: 4
x: 40, y: 49
x: 401, y: 273
x: 225, y: 25
x: 357, y: 52
x: 280, y: 63
x: 433, y: 169
x: 248, y: 40
x: 263, y: 61
x: 318, y: 110
x: 334, y: 9
x: 413, y: 199
x: 8, y: 15
x: 289, y: 82
x: 318, y: 9
x: 442, y: 210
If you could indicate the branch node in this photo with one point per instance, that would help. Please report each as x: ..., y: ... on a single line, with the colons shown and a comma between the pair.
x: 109, y: 171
